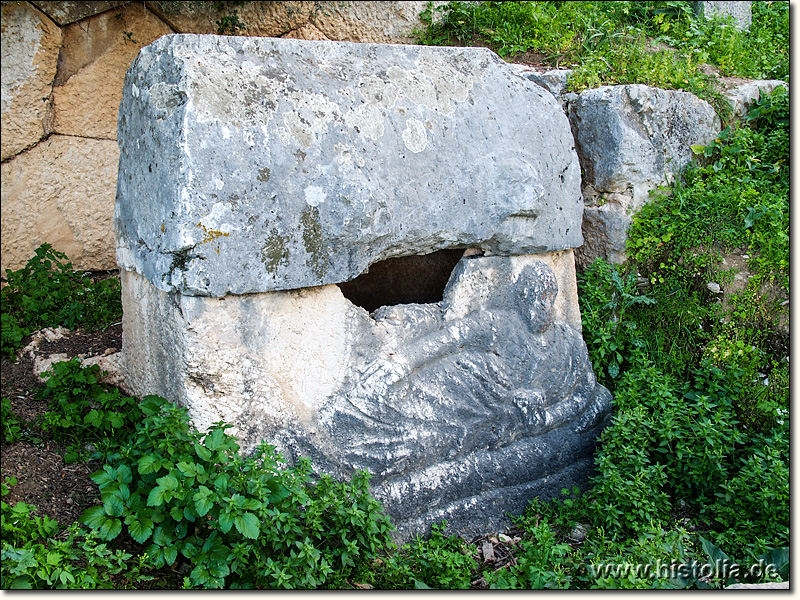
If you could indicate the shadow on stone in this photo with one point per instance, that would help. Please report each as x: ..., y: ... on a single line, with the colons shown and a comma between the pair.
x: 404, y: 280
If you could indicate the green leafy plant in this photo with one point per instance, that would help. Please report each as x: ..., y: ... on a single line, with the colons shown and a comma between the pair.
x: 436, y: 562
x: 12, y: 426
x: 47, y: 292
x: 32, y: 558
x: 83, y: 411
x: 235, y: 521
x: 542, y: 562
x: 12, y: 334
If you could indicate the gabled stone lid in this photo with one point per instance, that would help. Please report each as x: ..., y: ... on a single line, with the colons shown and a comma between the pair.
x: 259, y: 164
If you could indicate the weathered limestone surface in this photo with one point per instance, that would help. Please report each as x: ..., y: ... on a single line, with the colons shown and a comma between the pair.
x: 740, y: 11
x: 772, y: 585
x: 352, y: 21
x: 94, y: 58
x: 554, y: 81
x: 631, y: 139
x: 252, y: 164
x: 268, y: 19
x: 370, y: 22
x: 30, y: 45
x: 744, y: 96
x: 66, y: 12
x: 62, y: 192
x: 462, y: 409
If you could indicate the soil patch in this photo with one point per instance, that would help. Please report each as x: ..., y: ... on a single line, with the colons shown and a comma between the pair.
x: 60, y: 491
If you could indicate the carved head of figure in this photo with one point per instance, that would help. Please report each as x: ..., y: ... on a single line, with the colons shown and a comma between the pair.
x: 537, y: 289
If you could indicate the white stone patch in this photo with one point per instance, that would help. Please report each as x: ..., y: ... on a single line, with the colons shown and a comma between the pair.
x: 311, y: 117
x: 256, y: 360
x: 213, y: 219
x: 219, y: 184
x: 434, y: 84
x: 229, y: 90
x: 367, y: 119
x: 414, y: 136
x: 314, y: 195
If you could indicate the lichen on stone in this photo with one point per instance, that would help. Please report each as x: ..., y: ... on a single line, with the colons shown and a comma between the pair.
x: 275, y: 251
x: 312, y: 240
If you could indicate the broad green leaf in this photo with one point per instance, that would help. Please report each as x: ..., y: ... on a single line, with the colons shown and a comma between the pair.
x: 141, y: 530
x: 189, y: 514
x: 225, y: 522
x: 202, y: 452
x: 148, y: 464
x: 714, y: 552
x: 200, y: 575
x: 110, y: 529
x: 23, y: 582
x: 697, y: 148
x: 104, y: 476
x: 162, y: 537
x: 278, y: 491
x: 94, y: 517
x: 66, y: 577
x: 221, y: 482
x: 93, y: 418
x: 124, y: 491
x: 187, y: 469
x: 215, y: 440
x: 181, y: 529
x: 168, y: 482
x: 251, y: 504
x: 218, y: 569
x: 203, y: 501
x: 189, y: 550
x: 113, y: 505
x: 156, y: 496
x: 247, y: 524
x: 779, y: 559
x: 170, y: 554
x: 176, y: 512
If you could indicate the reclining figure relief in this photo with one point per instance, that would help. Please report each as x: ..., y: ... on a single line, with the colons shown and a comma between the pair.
x: 484, y: 388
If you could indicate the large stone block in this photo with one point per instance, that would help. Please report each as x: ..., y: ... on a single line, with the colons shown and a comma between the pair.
x: 62, y: 192
x: 253, y: 164
x: 30, y: 46
x: 96, y: 53
x: 630, y: 140
x: 462, y: 409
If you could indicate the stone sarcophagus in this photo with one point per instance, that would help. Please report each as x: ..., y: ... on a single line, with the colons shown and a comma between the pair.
x: 362, y: 254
